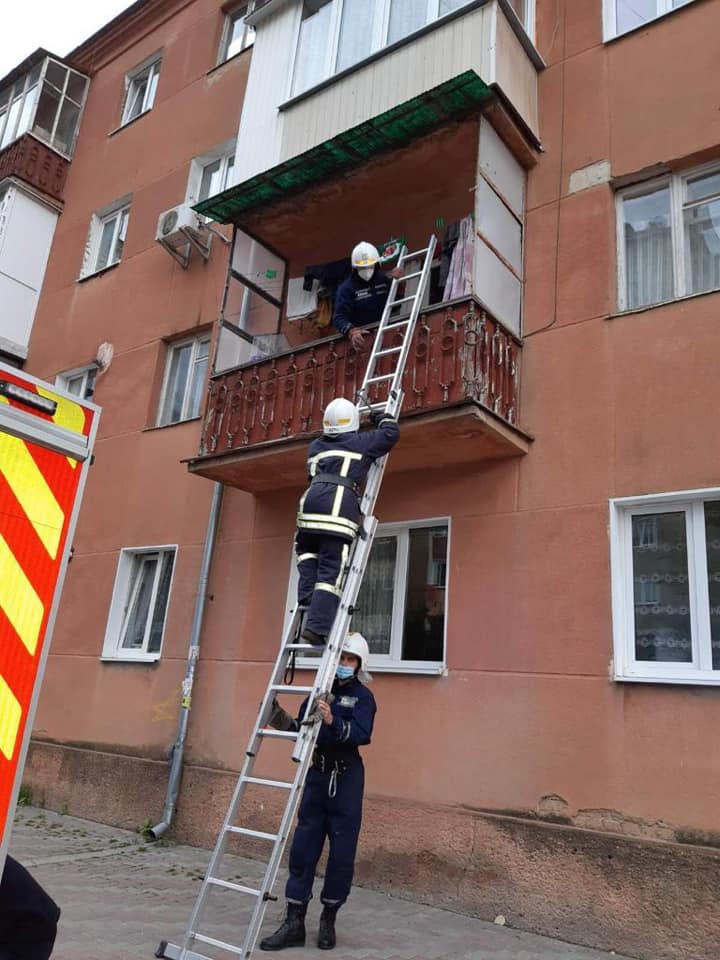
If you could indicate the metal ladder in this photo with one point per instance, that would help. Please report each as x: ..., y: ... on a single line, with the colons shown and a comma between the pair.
x: 375, y: 382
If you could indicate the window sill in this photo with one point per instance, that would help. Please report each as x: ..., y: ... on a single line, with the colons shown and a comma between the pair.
x: 232, y: 59
x: 414, y: 667
x: 704, y: 679
x: 663, y: 303
x: 98, y: 273
x: 131, y: 658
x: 129, y: 123
x: 175, y: 423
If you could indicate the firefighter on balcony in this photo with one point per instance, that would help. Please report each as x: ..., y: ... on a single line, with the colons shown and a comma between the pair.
x: 331, y: 804
x: 361, y: 299
x: 329, y: 514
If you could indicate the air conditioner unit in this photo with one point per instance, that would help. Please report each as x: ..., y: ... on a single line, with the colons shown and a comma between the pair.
x: 175, y: 224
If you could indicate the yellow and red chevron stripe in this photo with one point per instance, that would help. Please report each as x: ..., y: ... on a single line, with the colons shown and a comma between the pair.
x: 37, y: 494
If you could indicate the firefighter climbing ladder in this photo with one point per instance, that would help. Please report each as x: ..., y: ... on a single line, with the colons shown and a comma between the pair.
x: 384, y: 372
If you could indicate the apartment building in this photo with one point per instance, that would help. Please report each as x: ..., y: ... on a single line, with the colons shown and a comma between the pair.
x: 540, y: 602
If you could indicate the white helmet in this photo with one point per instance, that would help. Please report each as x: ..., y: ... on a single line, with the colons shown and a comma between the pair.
x: 356, y: 644
x: 364, y: 255
x: 341, y: 416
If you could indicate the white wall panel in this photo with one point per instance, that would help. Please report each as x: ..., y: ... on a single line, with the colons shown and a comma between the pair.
x: 501, y: 168
x: 497, y: 287
x: 495, y: 222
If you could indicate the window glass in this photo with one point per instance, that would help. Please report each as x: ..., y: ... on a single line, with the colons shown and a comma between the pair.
x: 211, y: 179
x: 76, y: 87
x: 374, y: 608
x: 311, y: 60
x: 406, y: 16
x: 424, y: 627
x: 712, y: 545
x: 106, y: 243
x: 355, y: 33
x: 67, y: 125
x: 12, y: 120
x: 702, y: 246
x: 448, y: 6
x: 239, y: 34
x: 140, y: 595
x: 633, y: 13
x: 198, y: 379
x: 161, y: 601
x: 660, y: 588
x: 47, y: 111
x: 180, y: 358
x: 55, y: 74
x: 649, y: 274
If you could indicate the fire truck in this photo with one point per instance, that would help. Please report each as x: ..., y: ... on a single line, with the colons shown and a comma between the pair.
x: 46, y: 443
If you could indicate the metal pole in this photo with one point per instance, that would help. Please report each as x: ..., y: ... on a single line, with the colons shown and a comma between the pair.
x: 179, y: 748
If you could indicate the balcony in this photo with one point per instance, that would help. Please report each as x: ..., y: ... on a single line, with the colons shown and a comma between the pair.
x: 36, y: 164
x: 460, y: 385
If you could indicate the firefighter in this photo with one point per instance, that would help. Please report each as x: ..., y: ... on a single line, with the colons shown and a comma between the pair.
x: 28, y: 916
x: 331, y: 804
x: 329, y: 513
x: 361, y: 299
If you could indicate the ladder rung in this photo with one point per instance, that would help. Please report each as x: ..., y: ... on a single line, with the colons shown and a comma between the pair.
x: 384, y: 376
x: 394, y: 303
x: 302, y: 646
x: 410, y: 276
x: 258, y: 834
x: 285, y: 688
x: 237, y: 887
x: 384, y: 353
x: 262, y: 782
x: 414, y: 254
x: 171, y: 951
x: 211, y: 941
x: 395, y: 325
x: 278, y: 734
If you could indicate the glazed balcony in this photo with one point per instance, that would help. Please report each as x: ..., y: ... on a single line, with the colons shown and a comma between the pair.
x: 461, y: 392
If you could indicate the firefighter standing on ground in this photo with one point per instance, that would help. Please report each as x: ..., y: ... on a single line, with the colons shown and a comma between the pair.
x: 28, y: 916
x: 361, y: 299
x: 329, y: 513
x: 331, y: 804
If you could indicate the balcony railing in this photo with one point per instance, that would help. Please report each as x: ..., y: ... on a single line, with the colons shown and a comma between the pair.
x: 463, y: 365
x: 36, y: 164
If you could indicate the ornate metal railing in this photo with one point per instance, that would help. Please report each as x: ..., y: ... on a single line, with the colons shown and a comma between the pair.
x: 31, y: 160
x: 459, y: 354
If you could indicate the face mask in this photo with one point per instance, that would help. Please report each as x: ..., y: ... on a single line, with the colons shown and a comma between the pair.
x: 366, y: 272
x: 344, y: 673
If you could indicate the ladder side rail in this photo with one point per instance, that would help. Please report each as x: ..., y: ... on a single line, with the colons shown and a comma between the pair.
x: 389, y: 305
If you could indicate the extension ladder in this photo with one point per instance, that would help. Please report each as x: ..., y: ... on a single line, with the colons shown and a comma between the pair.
x: 392, y: 328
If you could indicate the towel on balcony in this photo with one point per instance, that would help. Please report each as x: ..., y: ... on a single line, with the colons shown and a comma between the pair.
x: 301, y: 302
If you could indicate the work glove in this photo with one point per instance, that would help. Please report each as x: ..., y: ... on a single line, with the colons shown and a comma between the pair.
x: 377, y: 416
x: 314, y: 712
x: 280, y: 719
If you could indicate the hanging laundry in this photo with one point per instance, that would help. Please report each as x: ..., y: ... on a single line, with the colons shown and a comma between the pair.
x: 329, y: 275
x: 301, y: 302
x: 459, y: 279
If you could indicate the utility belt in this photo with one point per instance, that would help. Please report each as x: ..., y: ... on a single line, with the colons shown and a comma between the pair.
x: 325, y: 765
x: 337, y: 481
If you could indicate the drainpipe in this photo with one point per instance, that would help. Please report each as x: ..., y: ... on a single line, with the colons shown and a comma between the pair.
x: 179, y: 748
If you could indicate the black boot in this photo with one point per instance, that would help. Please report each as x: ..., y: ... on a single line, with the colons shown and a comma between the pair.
x: 291, y: 932
x: 326, y: 933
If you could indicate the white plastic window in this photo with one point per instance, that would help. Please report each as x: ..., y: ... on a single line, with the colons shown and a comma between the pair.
x: 621, y: 16
x: 185, y: 371
x: 139, y: 605
x: 80, y: 382
x: 141, y: 89
x: 666, y: 587
x: 111, y: 231
x: 237, y: 35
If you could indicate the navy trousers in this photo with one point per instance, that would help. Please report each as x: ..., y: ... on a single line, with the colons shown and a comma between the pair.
x: 336, y: 817
x: 320, y: 560
x: 28, y: 916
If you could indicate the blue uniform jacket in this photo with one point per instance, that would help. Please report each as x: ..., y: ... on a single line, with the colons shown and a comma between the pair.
x: 335, y: 510
x: 353, y: 711
x: 359, y: 302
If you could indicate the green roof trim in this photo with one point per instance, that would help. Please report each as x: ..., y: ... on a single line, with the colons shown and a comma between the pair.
x: 390, y: 130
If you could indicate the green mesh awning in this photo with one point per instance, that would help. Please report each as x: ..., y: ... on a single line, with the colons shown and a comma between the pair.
x: 389, y: 130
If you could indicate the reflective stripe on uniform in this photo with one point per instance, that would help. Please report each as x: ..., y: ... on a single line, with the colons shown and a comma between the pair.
x: 329, y: 588
x: 306, y: 556
x: 324, y: 523
x: 345, y: 455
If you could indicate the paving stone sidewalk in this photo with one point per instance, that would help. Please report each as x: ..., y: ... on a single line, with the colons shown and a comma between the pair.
x: 121, y: 895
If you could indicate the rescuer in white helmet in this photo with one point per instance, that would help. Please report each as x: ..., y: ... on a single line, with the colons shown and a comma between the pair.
x: 361, y: 298
x: 331, y: 804
x: 329, y: 513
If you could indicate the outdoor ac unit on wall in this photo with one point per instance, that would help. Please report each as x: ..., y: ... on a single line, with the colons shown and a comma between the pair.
x: 179, y: 230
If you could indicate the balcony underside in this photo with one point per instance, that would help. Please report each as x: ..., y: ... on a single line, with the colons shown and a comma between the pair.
x: 456, y: 435
x: 460, y: 386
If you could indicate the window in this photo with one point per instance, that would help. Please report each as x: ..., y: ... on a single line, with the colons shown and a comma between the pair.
x: 624, y: 15
x: 669, y: 238
x: 80, y: 382
x: 185, y: 372
x: 666, y: 587
x: 106, y: 238
x: 336, y: 34
x: 216, y: 176
x: 141, y: 87
x: 402, y: 604
x: 139, y: 604
x: 237, y: 35
x: 48, y: 102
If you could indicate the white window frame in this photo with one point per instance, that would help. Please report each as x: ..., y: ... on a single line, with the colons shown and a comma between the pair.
x: 663, y: 8
x: 239, y: 12
x: 225, y: 152
x: 119, y: 209
x: 625, y: 666
x: 171, y: 349
x: 392, y: 662
x: 380, y: 28
x: 86, y: 375
x: 151, y: 66
x: 121, y: 601
x: 677, y: 183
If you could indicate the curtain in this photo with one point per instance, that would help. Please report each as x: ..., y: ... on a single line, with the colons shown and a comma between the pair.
x: 355, y: 32
x: 648, y: 249
x: 311, y: 62
x: 459, y: 279
x: 405, y: 17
